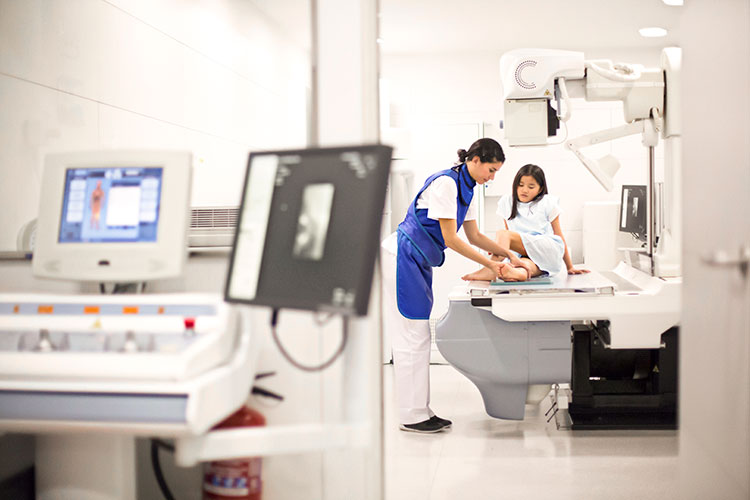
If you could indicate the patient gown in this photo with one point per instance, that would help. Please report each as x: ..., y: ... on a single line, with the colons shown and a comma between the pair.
x: 532, y: 222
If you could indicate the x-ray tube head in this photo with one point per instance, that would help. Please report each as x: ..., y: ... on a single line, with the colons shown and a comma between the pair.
x: 528, y: 122
x: 531, y: 73
x: 528, y: 77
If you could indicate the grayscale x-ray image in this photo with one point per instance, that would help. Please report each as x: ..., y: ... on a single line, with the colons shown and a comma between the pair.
x: 312, y: 224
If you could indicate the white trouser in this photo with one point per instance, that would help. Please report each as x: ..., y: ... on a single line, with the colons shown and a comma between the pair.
x: 410, y: 342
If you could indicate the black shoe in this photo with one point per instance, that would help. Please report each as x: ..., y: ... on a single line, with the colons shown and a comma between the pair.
x: 425, y: 427
x: 445, y: 423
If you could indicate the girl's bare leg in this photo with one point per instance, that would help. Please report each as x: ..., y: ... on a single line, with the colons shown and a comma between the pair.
x: 526, y: 271
x: 482, y: 274
x: 506, y: 239
x: 510, y: 273
x: 510, y: 239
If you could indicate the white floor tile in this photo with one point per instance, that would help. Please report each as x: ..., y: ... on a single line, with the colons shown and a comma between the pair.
x: 487, y: 458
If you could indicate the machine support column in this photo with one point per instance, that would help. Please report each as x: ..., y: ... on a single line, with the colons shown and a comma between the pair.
x: 85, y: 467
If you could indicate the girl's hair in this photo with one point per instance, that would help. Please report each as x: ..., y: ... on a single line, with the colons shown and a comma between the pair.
x: 538, y: 175
x: 488, y: 150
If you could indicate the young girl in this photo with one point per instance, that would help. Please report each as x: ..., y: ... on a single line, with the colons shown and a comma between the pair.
x: 532, y: 229
x: 443, y: 205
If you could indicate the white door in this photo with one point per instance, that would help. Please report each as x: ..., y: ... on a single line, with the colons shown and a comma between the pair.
x: 715, y: 335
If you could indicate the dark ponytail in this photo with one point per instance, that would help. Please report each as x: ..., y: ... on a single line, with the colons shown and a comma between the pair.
x: 488, y: 150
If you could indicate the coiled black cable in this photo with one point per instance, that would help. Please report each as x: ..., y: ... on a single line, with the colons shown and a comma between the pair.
x: 158, y: 474
x: 297, y: 364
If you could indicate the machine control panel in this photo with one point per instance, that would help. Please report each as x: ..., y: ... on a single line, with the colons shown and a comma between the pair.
x: 166, y: 364
x: 126, y: 337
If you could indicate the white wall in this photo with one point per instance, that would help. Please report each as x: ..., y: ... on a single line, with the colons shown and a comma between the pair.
x: 217, y: 78
x: 437, y: 100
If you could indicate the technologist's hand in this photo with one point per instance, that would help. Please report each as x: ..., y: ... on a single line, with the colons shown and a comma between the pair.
x: 515, y: 261
x: 495, y: 266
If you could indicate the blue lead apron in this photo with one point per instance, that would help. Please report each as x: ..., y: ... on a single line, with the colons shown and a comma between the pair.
x: 421, y: 247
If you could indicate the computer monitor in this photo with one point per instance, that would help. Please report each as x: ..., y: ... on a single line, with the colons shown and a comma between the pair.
x: 309, y: 229
x: 113, y: 216
x: 633, y: 208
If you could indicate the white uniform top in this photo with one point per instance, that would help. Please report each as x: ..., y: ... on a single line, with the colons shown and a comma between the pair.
x: 440, y: 199
x: 533, y: 223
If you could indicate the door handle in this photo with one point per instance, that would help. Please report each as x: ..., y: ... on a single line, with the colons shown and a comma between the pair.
x: 722, y: 258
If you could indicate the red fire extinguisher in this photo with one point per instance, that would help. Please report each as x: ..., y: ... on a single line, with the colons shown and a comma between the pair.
x: 237, y: 479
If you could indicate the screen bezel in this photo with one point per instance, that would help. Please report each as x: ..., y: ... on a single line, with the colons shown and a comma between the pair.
x: 370, y: 228
x: 120, y: 262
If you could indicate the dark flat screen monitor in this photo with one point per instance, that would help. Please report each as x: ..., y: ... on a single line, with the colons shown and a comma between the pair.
x: 633, y: 207
x: 309, y: 229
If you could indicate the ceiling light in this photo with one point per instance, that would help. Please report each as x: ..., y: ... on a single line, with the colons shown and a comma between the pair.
x: 652, y: 32
x: 673, y: 3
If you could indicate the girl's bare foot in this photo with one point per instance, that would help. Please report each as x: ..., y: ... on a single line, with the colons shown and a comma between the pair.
x: 483, y: 274
x: 510, y: 273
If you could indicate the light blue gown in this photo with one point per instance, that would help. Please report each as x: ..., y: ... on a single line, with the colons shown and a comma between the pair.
x: 532, y: 222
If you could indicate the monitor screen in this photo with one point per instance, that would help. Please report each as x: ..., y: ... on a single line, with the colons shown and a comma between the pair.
x: 309, y: 229
x: 633, y: 208
x: 113, y: 216
x: 117, y: 204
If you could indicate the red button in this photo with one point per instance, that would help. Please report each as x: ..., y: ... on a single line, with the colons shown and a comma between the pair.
x: 189, y: 323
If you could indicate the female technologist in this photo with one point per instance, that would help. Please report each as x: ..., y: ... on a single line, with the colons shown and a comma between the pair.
x: 442, y: 206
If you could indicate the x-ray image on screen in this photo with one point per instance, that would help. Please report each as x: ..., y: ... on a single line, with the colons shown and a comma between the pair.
x: 312, y: 224
x: 634, y: 204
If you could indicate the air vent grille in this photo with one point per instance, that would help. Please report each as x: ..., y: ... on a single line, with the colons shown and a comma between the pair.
x: 214, y: 218
x: 212, y: 227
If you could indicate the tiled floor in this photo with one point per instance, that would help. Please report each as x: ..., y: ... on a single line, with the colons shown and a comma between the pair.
x: 486, y: 458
